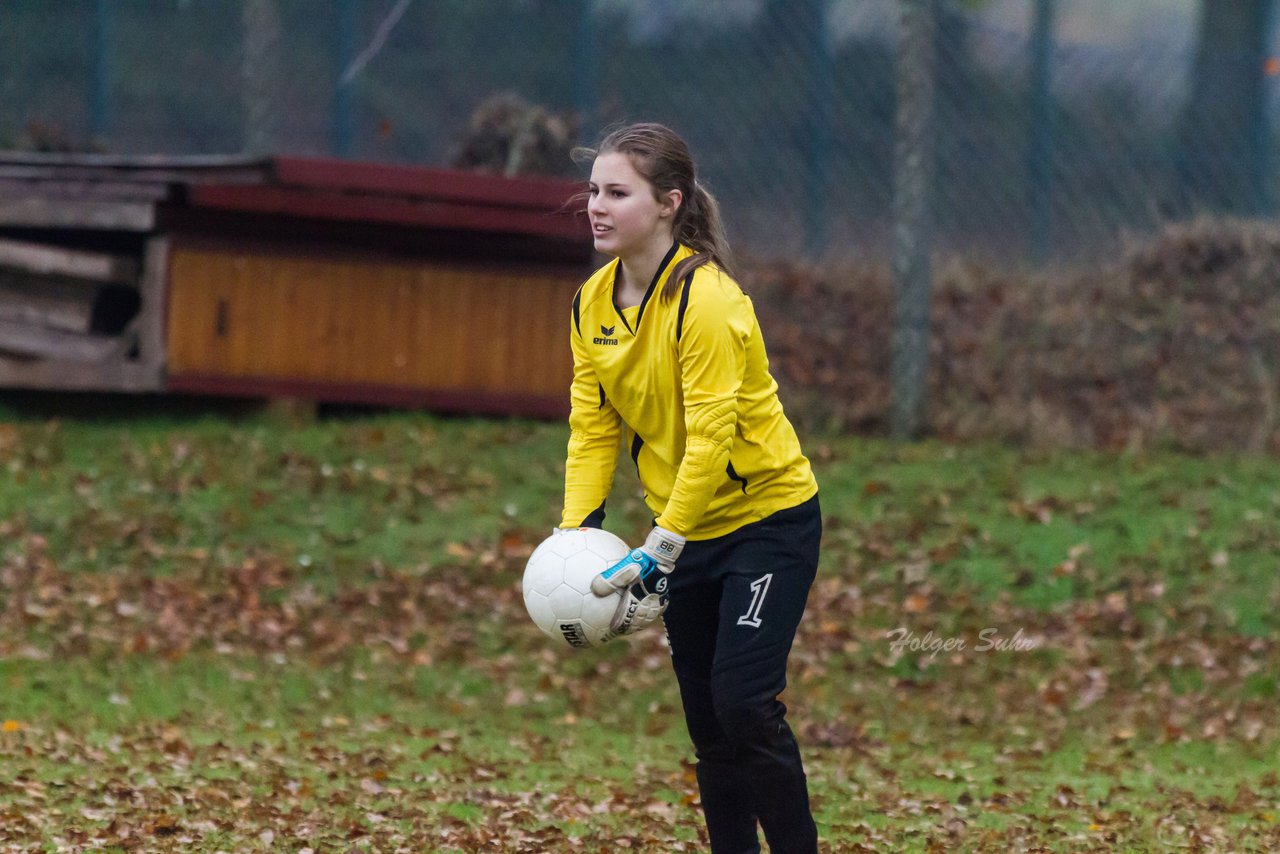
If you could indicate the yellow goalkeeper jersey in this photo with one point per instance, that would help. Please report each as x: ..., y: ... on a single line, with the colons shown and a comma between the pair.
x: 685, y: 383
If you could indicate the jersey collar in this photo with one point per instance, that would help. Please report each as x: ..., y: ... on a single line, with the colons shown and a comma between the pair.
x: 657, y: 277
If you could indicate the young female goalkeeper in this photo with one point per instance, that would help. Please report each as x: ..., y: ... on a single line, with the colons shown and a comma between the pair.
x: 669, y: 359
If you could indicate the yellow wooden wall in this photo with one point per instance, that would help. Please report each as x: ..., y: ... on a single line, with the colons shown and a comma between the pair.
x: 367, y: 321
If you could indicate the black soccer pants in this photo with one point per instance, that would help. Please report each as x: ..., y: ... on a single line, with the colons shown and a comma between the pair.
x: 735, y: 604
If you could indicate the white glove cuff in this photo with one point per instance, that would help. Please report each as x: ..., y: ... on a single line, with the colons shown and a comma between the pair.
x: 664, y: 545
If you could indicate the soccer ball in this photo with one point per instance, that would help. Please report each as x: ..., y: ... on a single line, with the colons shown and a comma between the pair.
x: 557, y: 585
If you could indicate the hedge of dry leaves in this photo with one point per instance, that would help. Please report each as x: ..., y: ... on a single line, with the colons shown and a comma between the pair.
x: 1177, y: 342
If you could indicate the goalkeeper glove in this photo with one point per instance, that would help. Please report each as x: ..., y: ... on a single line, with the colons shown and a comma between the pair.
x: 641, y: 578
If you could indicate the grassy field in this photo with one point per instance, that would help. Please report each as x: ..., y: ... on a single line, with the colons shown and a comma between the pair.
x: 238, y: 634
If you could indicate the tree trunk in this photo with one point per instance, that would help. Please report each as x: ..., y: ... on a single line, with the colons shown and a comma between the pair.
x: 1222, y: 162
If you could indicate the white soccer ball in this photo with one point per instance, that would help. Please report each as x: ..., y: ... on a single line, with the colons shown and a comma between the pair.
x: 557, y: 585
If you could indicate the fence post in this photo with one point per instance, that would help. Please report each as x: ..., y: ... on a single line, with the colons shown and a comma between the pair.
x: 342, y: 131
x: 912, y: 185
x: 817, y: 160
x: 1261, y: 131
x: 584, y: 61
x: 1040, y: 154
x: 260, y: 75
x: 103, y: 53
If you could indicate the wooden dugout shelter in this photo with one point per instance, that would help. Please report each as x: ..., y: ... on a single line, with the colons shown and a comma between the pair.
x: 288, y: 277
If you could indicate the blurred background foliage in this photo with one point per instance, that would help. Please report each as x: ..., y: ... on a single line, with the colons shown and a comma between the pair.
x: 1061, y: 126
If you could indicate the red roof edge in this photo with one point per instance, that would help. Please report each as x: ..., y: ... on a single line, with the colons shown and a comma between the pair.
x: 546, y: 194
x: 422, y: 213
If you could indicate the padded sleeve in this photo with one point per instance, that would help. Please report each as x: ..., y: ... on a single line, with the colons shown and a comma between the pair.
x: 712, y: 354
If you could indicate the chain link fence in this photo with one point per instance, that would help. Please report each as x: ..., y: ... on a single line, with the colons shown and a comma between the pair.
x: 1059, y: 126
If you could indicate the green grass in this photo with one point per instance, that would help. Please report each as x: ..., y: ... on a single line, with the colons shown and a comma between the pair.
x: 999, y: 520
x: 235, y: 633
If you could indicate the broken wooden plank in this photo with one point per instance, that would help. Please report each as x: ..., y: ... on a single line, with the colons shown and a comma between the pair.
x: 24, y: 340
x: 163, y: 169
x: 46, y: 260
x: 112, y: 375
x: 99, y: 190
x: 51, y: 303
x: 133, y: 161
x: 37, y: 212
x: 191, y: 175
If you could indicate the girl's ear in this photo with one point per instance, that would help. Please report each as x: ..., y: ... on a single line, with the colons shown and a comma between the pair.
x: 670, y: 203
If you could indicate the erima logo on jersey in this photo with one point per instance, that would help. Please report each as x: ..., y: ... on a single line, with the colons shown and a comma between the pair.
x: 606, y: 331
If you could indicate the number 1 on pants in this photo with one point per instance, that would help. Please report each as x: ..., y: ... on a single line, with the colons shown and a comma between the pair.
x: 759, y: 589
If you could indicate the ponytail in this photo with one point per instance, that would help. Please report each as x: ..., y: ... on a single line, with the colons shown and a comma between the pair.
x: 698, y: 226
x: 663, y: 159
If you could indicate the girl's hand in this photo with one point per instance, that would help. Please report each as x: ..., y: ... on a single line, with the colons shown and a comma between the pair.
x: 641, y: 578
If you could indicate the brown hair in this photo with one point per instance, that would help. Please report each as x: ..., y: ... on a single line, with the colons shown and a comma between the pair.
x: 662, y: 158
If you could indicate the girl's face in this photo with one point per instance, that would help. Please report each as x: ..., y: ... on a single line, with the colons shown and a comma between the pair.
x: 626, y: 218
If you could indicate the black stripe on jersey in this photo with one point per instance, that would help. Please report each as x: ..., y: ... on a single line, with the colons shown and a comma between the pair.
x: 636, y: 444
x: 684, y: 304
x: 614, y: 299
x: 671, y: 253
x: 595, y: 519
x: 577, y: 311
x: 737, y: 478
x: 602, y: 398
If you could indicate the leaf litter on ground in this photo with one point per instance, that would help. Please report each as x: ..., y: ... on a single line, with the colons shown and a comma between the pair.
x: 196, y: 683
